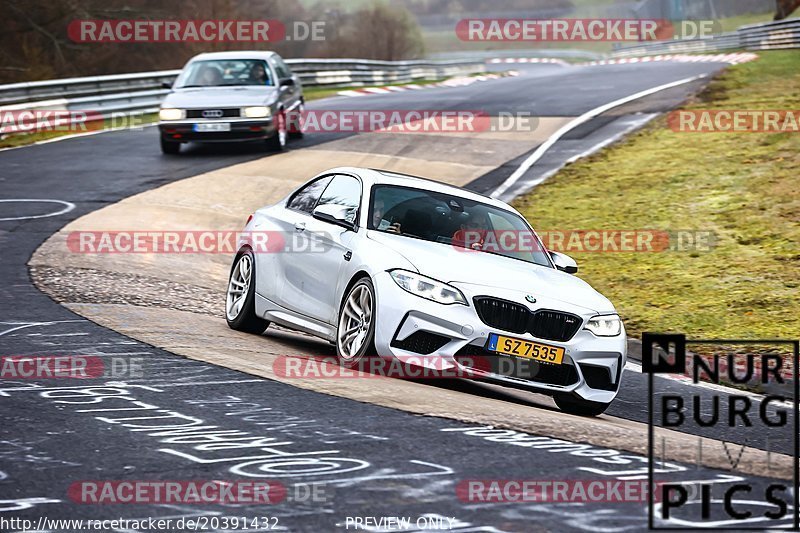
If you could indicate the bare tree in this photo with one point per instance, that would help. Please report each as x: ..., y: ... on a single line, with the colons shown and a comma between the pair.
x: 785, y: 8
x: 379, y: 31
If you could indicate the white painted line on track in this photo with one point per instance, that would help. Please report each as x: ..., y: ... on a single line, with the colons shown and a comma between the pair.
x: 545, y: 146
x: 68, y: 206
x: 686, y: 380
x: 190, y: 384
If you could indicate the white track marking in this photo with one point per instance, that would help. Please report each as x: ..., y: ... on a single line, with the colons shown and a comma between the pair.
x: 69, y: 206
x: 22, y: 325
x: 686, y: 380
x: 574, y: 123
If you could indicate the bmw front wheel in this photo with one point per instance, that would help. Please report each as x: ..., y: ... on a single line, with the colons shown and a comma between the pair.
x: 356, y: 333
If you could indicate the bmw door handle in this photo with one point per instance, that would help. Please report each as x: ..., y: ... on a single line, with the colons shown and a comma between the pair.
x: 300, y: 226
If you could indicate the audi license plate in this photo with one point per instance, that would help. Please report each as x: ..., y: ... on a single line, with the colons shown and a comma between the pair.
x: 212, y: 127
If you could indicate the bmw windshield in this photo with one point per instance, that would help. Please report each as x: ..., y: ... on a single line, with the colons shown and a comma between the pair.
x: 454, y: 221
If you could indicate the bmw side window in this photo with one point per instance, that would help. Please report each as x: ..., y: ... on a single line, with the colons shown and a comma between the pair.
x: 306, y: 198
x: 344, y: 191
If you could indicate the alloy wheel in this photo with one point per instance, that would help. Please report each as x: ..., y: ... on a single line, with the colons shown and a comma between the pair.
x: 238, y: 286
x: 355, y: 321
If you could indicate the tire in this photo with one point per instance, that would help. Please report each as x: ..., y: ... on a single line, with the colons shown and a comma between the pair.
x: 240, y: 309
x: 170, y: 147
x: 296, y: 126
x: 357, y: 311
x: 277, y: 143
x: 578, y: 406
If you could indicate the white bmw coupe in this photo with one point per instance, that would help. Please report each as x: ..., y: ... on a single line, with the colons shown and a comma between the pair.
x: 394, y: 266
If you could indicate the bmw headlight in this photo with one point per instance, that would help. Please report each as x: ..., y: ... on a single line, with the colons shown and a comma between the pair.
x: 605, y: 325
x: 168, y: 113
x: 258, y: 111
x: 428, y: 288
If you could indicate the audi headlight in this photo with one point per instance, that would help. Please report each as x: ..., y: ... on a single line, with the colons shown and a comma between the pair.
x: 428, y: 288
x: 258, y: 111
x: 171, y: 114
x: 605, y: 325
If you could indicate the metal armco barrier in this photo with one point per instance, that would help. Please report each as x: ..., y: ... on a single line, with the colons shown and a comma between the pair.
x: 142, y: 92
x: 768, y: 36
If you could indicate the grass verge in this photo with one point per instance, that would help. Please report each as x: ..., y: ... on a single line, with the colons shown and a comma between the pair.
x: 741, y: 186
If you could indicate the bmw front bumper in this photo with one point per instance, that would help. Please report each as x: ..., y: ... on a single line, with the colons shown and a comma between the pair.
x: 452, y: 337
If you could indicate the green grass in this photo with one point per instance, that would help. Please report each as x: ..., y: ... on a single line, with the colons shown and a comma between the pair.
x: 742, y: 186
x: 733, y: 23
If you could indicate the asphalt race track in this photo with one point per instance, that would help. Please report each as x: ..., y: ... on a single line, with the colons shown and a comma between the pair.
x: 364, y: 460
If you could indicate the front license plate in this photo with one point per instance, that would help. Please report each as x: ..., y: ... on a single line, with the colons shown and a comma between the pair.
x: 216, y: 126
x: 526, y: 349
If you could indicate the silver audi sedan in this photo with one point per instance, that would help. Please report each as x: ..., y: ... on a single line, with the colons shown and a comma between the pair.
x: 385, y: 265
x: 232, y: 96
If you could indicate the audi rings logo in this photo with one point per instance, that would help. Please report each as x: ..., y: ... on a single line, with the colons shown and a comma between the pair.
x: 212, y: 113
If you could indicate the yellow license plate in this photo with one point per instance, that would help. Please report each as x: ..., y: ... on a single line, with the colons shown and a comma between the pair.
x: 526, y: 349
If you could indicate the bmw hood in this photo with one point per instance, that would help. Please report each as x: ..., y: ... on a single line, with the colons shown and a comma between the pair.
x: 480, y: 273
x: 218, y: 97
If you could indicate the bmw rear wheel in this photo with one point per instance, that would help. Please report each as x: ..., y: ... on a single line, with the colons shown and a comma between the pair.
x: 240, y: 311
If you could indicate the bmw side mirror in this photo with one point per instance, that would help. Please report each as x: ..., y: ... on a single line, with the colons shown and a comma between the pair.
x: 335, y: 214
x: 564, y: 262
x: 166, y: 84
x: 287, y: 82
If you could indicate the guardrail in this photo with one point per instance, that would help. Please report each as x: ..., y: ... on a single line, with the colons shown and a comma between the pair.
x: 768, y: 36
x: 142, y: 92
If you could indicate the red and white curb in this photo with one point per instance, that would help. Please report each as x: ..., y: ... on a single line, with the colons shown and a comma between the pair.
x: 733, y: 59
x: 454, y: 82
x: 547, y: 60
